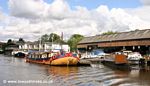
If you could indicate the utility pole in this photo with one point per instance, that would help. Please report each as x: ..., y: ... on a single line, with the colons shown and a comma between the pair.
x: 52, y: 41
x: 40, y: 44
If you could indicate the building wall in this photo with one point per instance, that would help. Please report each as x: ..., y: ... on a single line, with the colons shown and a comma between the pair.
x: 58, y: 47
x: 44, y: 47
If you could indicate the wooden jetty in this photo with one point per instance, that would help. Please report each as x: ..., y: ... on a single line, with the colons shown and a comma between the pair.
x: 84, y: 62
x: 89, y: 61
x: 113, y: 61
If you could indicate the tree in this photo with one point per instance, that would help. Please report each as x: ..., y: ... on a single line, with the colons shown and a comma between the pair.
x: 45, y: 38
x: 9, y: 41
x: 52, y: 38
x: 74, y: 40
x: 109, y: 33
x: 4, y: 46
x: 21, y: 40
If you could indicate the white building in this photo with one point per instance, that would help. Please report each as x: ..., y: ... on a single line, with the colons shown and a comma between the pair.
x: 46, y: 46
x: 66, y: 47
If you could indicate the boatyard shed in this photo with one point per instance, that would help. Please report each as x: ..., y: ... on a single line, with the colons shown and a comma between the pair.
x: 138, y: 40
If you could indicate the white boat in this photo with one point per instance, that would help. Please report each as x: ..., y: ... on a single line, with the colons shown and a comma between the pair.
x: 98, y: 53
x: 134, y: 57
x: 21, y: 54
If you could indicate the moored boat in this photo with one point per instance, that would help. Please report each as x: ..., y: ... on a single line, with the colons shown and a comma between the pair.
x: 134, y: 58
x: 53, y: 58
x: 65, y: 59
x: 117, y: 61
x: 19, y: 54
x: 39, y: 57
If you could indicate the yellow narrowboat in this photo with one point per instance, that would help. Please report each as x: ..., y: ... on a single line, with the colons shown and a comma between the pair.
x: 53, y: 58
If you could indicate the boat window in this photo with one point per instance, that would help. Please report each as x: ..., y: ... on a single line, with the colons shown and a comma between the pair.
x: 38, y: 56
x: 30, y: 56
x: 49, y: 55
x: 75, y: 55
x: 44, y: 55
x: 33, y: 56
x: 97, y: 52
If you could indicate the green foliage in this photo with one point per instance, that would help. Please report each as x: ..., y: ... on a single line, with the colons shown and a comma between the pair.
x: 21, y: 40
x: 52, y: 38
x: 9, y: 41
x: 4, y: 46
x: 74, y: 40
x: 109, y: 33
x: 45, y: 38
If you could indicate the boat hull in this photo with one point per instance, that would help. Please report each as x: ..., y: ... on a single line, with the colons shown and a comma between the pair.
x: 113, y: 65
x: 20, y: 55
x: 65, y: 61
x: 38, y: 61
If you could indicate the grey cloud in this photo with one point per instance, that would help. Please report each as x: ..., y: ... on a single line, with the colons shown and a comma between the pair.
x: 26, y: 8
x: 31, y: 21
x: 146, y: 2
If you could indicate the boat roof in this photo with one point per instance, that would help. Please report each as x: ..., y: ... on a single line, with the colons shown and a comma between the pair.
x: 40, y: 52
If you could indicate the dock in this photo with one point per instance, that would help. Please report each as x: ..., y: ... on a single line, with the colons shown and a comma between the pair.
x: 89, y: 61
x: 84, y: 62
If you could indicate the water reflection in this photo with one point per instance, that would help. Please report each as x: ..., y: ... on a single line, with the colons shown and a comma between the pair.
x: 141, y: 75
x: 62, y: 71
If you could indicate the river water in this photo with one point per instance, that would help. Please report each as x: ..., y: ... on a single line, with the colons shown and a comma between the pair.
x: 16, y: 72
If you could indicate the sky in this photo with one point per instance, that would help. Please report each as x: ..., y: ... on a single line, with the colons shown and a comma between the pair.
x: 89, y: 4
x: 29, y: 19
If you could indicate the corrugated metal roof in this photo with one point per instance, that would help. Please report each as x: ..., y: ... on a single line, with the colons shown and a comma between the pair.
x: 132, y: 35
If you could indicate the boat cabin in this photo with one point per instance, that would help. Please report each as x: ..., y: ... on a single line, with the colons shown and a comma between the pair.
x: 41, y: 55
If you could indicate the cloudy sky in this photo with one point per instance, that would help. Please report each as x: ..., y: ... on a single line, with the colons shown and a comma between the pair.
x: 30, y: 19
